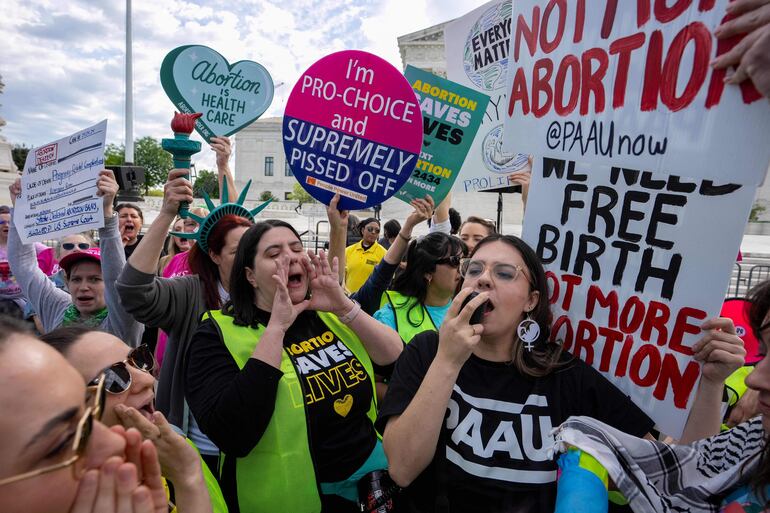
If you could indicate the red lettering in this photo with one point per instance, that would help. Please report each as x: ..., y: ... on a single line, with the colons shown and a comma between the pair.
x: 529, y: 34
x: 642, y: 12
x: 699, y: 34
x: 554, y: 286
x: 569, y: 63
x: 571, y: 280
x: 610, y: 338
x: 650, y: 353
x: 549, y: 46
x: 630, y: 323
x: 519, y: 93
x: 609, y: 18
x: 652, y: 72
x: 580, y: 21
x: 623, y: 48
x: 585, y: 337
x: 717, y: 83
x: 664, y: 14
x: 541, y: 84
x: 682, y: 326
x: 592, y: 80
x: 610, y: 301
x: 706, y: 5
x: 620, y: 369
x: 681, y: 383
x: 657, y: 317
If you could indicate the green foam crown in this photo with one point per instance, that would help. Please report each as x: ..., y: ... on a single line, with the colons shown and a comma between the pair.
x: 216, y: 213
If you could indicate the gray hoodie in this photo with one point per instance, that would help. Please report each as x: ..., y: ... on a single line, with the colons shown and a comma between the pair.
x: 50, y: 302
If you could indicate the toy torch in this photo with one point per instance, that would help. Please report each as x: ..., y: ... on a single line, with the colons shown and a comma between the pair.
x: 181, y: 147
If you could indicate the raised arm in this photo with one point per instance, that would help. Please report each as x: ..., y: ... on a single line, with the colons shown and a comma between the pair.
x: 121, y: 323
x: 378, y: 282
x: 145, y: 256
x: 410, y: 439
x: 440, y: 221
x: 48, y: 301
x: 223, y: 149
x: 721, y: 352
x: 338, y: 234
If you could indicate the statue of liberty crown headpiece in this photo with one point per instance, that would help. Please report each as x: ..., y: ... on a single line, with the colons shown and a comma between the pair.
x: 216, y: 213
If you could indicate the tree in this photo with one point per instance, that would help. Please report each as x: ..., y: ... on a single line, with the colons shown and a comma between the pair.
x: 207, y: 182
x: 156, y: 161
x: 148, y: 153
x: 114, y: 155
x: 266, y: 196
x: 300, y: 195
x: 19, y: 153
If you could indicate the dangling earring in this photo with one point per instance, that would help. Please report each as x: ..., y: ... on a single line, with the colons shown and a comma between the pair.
x: 528, y: 332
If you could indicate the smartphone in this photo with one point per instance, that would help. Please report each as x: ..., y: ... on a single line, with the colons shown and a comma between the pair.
x: 477, y: 315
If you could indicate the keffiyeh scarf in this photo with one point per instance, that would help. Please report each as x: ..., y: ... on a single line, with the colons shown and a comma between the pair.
x: 656, y: 477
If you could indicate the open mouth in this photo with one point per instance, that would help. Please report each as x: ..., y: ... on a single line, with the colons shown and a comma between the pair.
x: 489, y: 307
x: 85, y: 299
x: 295, y: 280
x: 148, y: 409
x: 129, y: 228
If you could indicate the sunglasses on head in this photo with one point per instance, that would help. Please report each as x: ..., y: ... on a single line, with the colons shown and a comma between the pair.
x: 453, y: 260
x: 82, y: 434
x: 69, y: 246
x: 117, y: 377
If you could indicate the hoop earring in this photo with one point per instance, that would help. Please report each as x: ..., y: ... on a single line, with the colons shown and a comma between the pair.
x: 528, y: 332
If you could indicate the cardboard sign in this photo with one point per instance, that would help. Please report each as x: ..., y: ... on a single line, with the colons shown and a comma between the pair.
x: 58, y: 187
x: 636, y: 262
x: 352, y: 125
x: 477, y: 57
x: 230, y: 96
x: 630, y: 85
x: 451, y: 116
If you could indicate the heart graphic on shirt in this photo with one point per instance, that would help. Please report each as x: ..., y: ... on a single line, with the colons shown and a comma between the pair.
x: 343, y: 406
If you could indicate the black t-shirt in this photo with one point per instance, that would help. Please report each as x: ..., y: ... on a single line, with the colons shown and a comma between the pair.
x: 129, y: 250
x: 234, y: 406
x: 496, y: 435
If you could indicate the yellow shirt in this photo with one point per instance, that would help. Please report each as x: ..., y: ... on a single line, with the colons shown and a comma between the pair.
x: 359, y: 264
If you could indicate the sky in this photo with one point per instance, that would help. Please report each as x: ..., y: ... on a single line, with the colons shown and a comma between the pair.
x: 63, y: 61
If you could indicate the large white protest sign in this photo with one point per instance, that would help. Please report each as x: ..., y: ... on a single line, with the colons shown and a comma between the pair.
x: 58, y: 187
x: 629, y: 84
x: 476, y: 48
x: 636, y: 262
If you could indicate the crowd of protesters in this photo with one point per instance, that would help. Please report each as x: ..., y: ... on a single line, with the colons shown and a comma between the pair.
x: 210, y: 363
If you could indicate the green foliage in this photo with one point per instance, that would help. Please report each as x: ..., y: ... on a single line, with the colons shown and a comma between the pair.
x: 266, y: 196
x: 156, y: 161
x: 19, y: 154
x: 206, y: 182
x: 300, y: 195
x: 756, y: 211
x: 114, y: 155
x: 148, y: 153
x: 155, y: 193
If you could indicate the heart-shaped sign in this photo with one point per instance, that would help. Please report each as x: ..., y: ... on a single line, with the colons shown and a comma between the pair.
x: 230, y: 96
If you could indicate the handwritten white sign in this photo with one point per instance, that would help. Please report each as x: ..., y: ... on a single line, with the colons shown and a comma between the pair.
x: 624, y: 85
x: 58, y: 187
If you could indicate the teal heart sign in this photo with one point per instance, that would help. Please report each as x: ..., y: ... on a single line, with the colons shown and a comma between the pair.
x: 230, y: 96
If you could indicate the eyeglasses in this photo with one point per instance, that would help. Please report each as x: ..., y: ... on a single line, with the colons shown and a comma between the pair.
x: 453, y: 260
x: 372, y: 229
x: 470, y: 268
x: 69, y: 246
x: 117, y: 377
x: 82, y: 435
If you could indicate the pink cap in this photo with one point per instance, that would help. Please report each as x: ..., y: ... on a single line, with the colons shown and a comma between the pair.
x: 92, y: 254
